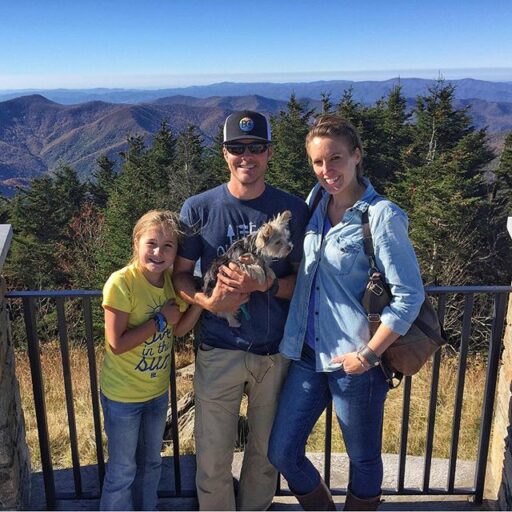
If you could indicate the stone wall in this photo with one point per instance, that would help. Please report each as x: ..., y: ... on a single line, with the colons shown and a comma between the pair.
x: 14, y: 455
x: 498, y: 483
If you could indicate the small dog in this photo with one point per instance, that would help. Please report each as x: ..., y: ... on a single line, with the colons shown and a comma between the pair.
x: 253, y: 254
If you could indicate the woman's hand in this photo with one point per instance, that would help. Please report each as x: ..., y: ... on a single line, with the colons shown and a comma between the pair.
x: 351, y: 363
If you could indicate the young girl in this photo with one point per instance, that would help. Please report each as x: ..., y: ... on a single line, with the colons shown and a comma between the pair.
x: 142, y: 316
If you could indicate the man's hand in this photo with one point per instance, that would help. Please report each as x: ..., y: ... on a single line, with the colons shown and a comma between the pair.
x: 236, y: 279
x: 225, y: 299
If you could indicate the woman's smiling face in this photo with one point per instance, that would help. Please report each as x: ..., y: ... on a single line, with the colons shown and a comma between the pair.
x: 335, y: 166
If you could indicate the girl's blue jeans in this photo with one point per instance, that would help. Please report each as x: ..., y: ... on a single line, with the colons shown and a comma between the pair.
x: 359, y: 403
x: 134, y: 432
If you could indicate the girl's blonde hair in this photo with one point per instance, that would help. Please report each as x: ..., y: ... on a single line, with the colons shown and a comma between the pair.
x: 333, y: 125
x: 165, y: 220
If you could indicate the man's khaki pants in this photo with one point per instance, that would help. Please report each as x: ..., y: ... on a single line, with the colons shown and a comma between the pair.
x: 221, y: 379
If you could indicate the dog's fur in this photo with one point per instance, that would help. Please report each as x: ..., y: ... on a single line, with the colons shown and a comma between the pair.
x: 253, y: 254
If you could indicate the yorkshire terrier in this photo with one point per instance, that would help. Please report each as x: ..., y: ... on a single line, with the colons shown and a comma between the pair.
x: 253, y: 254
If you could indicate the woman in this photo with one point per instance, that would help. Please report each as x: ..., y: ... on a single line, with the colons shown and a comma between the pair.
x: 334, y: 355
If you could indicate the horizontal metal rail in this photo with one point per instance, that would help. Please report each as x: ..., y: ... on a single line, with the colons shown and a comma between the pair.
x: 497, y: 293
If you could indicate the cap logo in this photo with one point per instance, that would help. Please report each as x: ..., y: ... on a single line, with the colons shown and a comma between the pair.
x: 246, y: 124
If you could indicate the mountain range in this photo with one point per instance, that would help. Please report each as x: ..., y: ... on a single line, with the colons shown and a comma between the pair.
x: 37, y: 133
x: 365, y: 91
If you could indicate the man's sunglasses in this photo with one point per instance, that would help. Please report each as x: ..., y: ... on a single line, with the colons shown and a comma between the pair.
x: 256, y: 148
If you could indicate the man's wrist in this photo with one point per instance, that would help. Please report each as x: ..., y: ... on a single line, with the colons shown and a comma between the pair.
x: 274, y: 287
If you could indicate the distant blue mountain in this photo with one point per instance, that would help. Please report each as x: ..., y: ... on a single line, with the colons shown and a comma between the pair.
x: 366, y: 92
x: 37, y: 133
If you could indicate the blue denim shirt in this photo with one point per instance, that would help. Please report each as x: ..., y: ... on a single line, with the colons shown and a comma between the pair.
x: 341, y: 269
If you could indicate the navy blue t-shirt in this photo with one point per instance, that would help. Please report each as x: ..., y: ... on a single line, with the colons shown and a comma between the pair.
x: 214, y: 220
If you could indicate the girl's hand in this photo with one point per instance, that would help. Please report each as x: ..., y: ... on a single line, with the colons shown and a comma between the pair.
x: 171, y: 311
x: 351, y: 364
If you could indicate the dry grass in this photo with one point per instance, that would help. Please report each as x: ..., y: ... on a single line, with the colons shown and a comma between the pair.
x: 58, y: 421
x: 418, y: 418
x: 51, y: 364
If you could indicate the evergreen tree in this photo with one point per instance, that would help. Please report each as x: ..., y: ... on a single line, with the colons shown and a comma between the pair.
x: 4, y: 210
x: 397, y: 134
x: 189, y: 176
x: 129, y: 199
x: 502, y: 186
x: 289, y: 168
x: 103, y: 180
x: 350, y: 109
x: 148, y: 180
x: 439, y: 126
x: 40, y: 218
x: 326, y: 102
x: 216, y: 169
x: 442, y: 188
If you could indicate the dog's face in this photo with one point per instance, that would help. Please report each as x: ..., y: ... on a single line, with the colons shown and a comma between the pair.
x: 273, y: 238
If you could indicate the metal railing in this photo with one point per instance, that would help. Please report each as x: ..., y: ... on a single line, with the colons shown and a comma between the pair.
x: 498, y: 294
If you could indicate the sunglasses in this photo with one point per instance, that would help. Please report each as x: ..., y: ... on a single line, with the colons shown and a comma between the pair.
x: 256, y: 148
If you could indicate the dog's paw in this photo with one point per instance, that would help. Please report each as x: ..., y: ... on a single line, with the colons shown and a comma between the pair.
x: 233, y: 321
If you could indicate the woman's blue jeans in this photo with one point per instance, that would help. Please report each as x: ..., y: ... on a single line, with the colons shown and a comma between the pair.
x: 359, y: 403
x: 134, y: 432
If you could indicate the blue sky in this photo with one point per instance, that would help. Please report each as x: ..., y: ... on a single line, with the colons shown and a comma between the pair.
x: 167, y: 43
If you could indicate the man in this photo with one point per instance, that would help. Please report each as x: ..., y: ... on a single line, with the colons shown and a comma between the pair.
x: 233, y: 361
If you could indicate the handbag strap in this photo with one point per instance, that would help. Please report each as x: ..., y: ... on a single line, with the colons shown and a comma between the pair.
x: 376, y: 281
x: 368, y: 243
x: 316, y: 199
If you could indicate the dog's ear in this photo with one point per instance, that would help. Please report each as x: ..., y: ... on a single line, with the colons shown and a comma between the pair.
x: 285, y: 216
x: 266, y: 232
x: 263, y: 236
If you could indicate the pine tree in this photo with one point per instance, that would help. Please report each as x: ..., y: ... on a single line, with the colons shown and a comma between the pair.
x: 397, y: 134
x: 443, y: 190
x: 216, y: 169
x: 502, y: 186
x: 289, y: 168
x: 350, y: 109
x: 127, y: 202
x: 439, y: 126
x: 326, y: 102
x: 189, y: 176
x: 40, y: 218
x: 102, y: 182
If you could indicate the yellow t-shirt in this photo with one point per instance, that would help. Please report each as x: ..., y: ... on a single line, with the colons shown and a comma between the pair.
x: 142, y: 373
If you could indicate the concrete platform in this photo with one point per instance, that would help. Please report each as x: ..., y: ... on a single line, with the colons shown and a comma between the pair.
x: 339, y: 474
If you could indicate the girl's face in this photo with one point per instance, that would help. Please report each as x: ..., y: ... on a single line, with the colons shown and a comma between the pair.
x: 156, y: 251
x: 333, y: 163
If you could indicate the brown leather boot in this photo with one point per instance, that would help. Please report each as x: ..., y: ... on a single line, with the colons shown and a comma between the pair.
x: 352, y: 502
x: 318, y: 499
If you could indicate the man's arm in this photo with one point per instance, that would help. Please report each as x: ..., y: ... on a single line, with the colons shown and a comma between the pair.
x: 224, y: 299
x: 234, y: 278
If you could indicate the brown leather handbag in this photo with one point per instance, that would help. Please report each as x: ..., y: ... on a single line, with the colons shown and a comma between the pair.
x: 412, y: 350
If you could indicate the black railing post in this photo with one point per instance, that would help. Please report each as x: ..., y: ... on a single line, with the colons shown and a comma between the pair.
x: 404, y: 433
x: 498, y: 322
x: 68, y: 387
x: 432, y: 406
x: 174, y: 427
x: 459, y: 394
x: 328, y: 444
x: 39, y: 400
x: 91, y: 355
x: 500, y: 293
